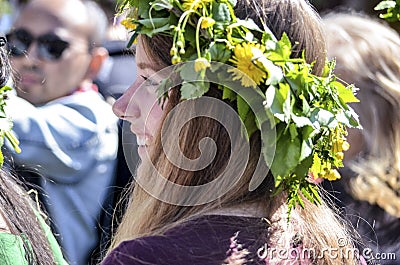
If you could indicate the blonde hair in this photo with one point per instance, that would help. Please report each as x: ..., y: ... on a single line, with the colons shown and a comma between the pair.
x: 368, y: 54
x: 147, y: 215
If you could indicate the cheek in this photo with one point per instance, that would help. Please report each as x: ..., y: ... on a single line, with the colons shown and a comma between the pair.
x: 16, y: 63
x: 154, y: 118
x: 73, y: 72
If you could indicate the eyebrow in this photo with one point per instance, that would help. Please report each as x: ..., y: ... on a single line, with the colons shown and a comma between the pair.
x: 144, y: 66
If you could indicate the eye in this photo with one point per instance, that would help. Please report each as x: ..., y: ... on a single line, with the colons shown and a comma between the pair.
x: 149, y: 82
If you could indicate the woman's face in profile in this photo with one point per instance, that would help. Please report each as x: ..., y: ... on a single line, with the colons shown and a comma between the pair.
x: 139, y: 104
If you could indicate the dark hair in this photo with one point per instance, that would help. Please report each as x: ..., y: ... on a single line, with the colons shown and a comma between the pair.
x: 5, y: 68
x: 16, y: 206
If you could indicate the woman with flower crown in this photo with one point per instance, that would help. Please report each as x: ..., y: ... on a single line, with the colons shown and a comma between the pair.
x: 25, y: 238
x: 236, y: 114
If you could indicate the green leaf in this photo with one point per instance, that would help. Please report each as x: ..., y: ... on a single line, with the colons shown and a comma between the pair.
x: 314, y: 190
x: 287, y: 155
x: 274, y: 100
x: 228, y: 94
x: 323, y: 118
x: 308, y: 132
x: 352, y: 118
x: 301, y: 121
x: 302, y: 169
x: 190, y: 36
x: 306, y: 149
x: 285, y: 46
x: 151, y: 32
x: 162, y: 90
x: 220, y: 12
x: 250, y: 124
x: 143, y: 8
x: 188, y: 73
x: 194, y: 90
x: 300, y: 201
x: 219, y: 53
x: 5, y: 88
x: 293, y: 131
x: 248, y: 24
x: 154, y: 23
x: 233, y: 2
x: 282, y: 51
x: 307, y: 194
x: 345, y: 93
x: 243, y: 108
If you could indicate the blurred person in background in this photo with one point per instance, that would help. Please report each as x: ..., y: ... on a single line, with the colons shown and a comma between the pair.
x: 25, y: 238
x: 367, y: 54
x: 66, y: 130
x: 119, y: 69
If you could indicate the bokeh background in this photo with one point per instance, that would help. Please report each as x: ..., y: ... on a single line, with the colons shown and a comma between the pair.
x: 359, y: 5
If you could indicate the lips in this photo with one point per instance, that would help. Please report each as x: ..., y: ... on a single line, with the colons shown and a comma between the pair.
x: 28, y: 79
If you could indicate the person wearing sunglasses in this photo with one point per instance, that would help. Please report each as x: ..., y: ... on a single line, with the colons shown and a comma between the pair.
x: 67, y: 132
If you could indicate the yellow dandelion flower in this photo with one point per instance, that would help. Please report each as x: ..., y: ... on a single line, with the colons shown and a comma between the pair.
x: 244, y: 78
x: 128, y: 24
x: 194, y: 4
x: 247, y: 70
x: 201, y: 64
x: 207, y: 22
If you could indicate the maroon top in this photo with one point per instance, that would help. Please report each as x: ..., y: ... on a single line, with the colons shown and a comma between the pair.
x: 207, y: 240
x: 210, y: 240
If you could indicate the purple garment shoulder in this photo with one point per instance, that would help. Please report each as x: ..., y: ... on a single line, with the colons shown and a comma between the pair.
x: 205, y: 241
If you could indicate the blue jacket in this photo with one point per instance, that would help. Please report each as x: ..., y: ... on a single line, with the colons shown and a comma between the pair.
x: 72, y: 142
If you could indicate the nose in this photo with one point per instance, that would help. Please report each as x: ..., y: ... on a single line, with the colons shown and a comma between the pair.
x: 126, y: 107
x: 33, y: 50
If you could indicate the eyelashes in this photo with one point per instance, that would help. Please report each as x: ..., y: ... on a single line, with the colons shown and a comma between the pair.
x: 149, y: 81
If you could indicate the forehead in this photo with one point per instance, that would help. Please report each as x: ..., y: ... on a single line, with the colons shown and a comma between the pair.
x: 145, y: 62
x: 39, y: 21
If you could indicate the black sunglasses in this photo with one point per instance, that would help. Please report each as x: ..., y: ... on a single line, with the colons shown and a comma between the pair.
x: 50, y: 46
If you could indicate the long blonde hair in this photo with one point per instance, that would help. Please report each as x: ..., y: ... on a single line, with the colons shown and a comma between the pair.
x: 371, y: 60
x: 147, y: 215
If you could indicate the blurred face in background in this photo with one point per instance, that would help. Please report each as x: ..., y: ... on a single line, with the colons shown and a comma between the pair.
x: 49, y: 44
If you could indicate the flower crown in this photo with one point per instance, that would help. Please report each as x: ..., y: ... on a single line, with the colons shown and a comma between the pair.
x: 5, y: 121
x: 309, y: 113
